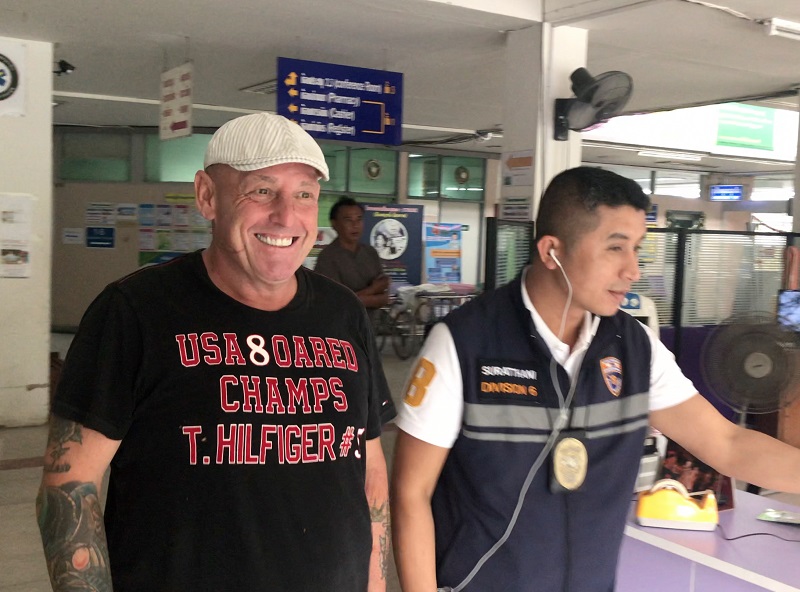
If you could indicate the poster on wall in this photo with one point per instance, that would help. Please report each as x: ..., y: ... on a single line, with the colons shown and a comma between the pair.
x: 170, y: 230
x: 101, y: 214
x: 395, y: 230
x: 443, y: 253
x: 16, y: 213
x: 325, y: 236
x: 12, y: 78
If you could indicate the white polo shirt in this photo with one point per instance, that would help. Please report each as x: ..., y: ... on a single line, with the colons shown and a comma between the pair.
x: 437, y: 418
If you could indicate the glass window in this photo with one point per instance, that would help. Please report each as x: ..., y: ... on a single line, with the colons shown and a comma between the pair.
x: 462, y: 178
x: 95, y: 157
x: 174, y: 160
x: 423, y: 175
x: 336, y: 157
x: 373, y: 170
x: 776, y: 188
x: 678, y: 184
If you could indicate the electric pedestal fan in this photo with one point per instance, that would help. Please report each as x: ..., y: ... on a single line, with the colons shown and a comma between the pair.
x: 751, y: 363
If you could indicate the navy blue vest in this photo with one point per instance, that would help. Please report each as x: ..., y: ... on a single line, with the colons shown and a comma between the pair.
x: 561, y: 542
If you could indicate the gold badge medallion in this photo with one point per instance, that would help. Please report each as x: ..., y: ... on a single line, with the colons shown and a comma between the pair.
x: 570, y: 462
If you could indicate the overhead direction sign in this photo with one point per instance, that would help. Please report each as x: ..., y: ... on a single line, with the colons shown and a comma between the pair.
x: 335, y: 102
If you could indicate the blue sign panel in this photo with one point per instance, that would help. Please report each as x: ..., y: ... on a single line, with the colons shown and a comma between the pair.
x: 443, y: 253
x: 395, y: 230
x: 726, y: 192
x: 334, y: 102
x: 100, y: 237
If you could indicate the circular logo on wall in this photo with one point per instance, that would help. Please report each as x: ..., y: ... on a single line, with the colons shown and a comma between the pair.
x: 9, y: 79
x: 390, y: 238
x: 461, y: 174
x: 372, y: 169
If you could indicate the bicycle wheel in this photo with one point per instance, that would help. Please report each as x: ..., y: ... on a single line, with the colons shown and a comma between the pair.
x: 382, y: 327
x: 403, y: 335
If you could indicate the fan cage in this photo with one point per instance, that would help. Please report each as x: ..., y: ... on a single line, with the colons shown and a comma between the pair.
x: 750, y: 362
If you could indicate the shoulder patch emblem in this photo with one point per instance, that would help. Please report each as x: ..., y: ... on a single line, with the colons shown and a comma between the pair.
x: 612, y: 374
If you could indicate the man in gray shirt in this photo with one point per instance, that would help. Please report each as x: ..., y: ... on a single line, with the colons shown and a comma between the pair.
x: 350, y: 262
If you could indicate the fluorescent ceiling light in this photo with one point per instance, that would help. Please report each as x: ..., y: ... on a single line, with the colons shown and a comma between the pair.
x: 783, y: 28
x: 670, y: 155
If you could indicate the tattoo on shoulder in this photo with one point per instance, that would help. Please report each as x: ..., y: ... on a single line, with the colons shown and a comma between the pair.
x: 71, y: 524
x: 62, y: 431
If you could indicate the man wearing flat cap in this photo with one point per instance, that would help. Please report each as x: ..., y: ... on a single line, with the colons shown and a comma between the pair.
x: 236, y: 397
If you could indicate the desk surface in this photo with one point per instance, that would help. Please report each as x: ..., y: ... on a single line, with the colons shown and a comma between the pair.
x: 766, y: 561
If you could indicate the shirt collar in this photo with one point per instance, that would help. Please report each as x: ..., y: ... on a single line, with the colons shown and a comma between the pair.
x: 553, y: 343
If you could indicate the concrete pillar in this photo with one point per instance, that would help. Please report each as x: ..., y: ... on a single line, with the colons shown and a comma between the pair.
x: 795, y: 203
x: 26, y: 165
x: 539, y: 61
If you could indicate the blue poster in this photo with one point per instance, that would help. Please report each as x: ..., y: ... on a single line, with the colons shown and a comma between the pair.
x: 395, y: 230
x: 100, y: 237
x: 443, y: 253
x: 336, y: 102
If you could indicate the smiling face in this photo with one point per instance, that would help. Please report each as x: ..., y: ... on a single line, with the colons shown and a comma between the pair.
x: 264, y: 225
x: 604, y: 262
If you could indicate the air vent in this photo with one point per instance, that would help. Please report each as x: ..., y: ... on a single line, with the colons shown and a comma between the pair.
x: 268, y: 87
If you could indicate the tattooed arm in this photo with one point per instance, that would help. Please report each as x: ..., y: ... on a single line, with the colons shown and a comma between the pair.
x: 377, y: 488
x: 68, y: 507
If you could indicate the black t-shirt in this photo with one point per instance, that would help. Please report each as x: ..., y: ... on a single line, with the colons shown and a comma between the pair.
x: 242, y: 462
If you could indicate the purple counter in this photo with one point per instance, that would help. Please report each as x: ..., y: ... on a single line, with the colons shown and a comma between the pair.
x: 667, y: 560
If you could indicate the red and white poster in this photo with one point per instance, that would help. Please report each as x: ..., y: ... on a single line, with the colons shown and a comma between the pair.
x: 176, y: 102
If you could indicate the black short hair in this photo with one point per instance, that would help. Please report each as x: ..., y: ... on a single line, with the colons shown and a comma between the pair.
x: 342, y: 202
x: 570, y: 200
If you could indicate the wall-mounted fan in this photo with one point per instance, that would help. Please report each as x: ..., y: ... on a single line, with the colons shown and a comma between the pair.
x: 751, y: 363
x: 596, y: 99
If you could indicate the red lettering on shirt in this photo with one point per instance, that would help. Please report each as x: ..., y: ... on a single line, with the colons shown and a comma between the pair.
x: 327, y: 435
x: 227, y: 405
x: 225, y: 444
x: 336, y: 384
x: 274, y: 401
x: 280, y: 351
x: 186, y: 360
x: 233, y: 353
x: 321, y: 393
x: 350, y: 356
x: 301, y: 357
x: 213, y: 352
x: 292, y: 437
x: 251, y: 393
x: 192, y: 432
x: 336, y: 352
x: 298, y: 393
x: 321, y: 357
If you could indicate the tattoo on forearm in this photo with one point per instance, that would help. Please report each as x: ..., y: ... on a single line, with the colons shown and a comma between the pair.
x: 380, y: 515
x: 62, y: 431
x: 74, y: 538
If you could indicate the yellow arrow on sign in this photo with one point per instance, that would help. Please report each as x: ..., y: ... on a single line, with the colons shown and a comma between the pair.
x: 293, y: 92
x: 291, y: 79
x: 293, y: 108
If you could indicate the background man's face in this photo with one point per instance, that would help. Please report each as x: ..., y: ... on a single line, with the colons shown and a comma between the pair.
x: 349, y: 224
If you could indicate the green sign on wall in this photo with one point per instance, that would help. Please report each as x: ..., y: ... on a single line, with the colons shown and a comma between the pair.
x: 745, y: 126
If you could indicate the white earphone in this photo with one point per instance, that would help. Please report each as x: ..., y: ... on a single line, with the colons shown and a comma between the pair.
x: 552, y: 253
